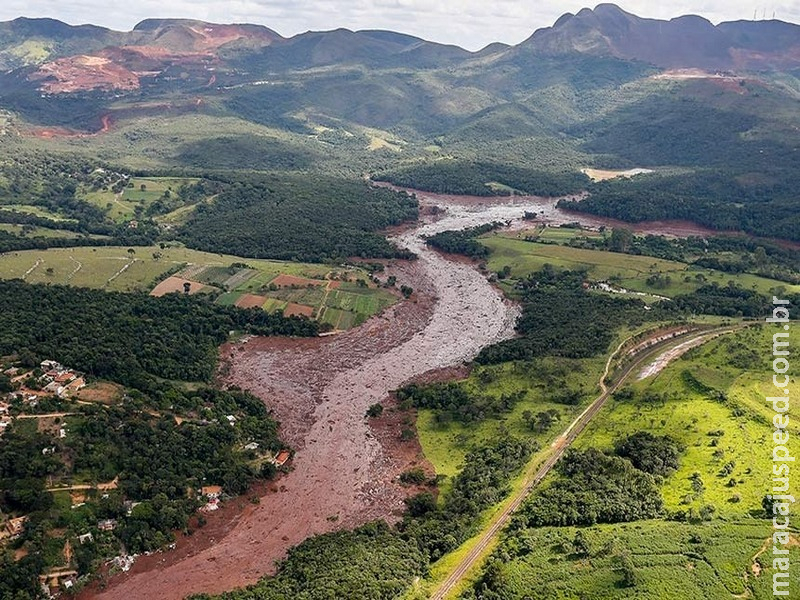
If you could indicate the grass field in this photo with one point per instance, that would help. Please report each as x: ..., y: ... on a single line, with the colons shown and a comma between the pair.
x: 116, y: 268
x: 690, y: 415
x: 446, y: 444
x: 38, y: 211
x: 671, y: 561
x: 28, y: 231
x: 627, y: 270
x: 122, y: 208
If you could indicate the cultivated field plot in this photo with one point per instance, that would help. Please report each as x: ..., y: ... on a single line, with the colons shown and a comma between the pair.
x: 178, y: 284
x: 300, y: 289
x: 629, y: 271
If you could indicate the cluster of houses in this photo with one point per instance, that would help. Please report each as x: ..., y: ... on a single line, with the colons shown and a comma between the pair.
x: 30, y: 385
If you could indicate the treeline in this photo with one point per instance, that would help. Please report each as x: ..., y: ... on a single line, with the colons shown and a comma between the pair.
x: 453, y: 402
x: 473, y: 179
x: 593, y: 487
x: 720, y: 200
x: 292, y: 217
x: 561, y: 318
x: 156, y: 458
x: 729, y: 254
x: 176, y: 336
x: 370, y: 562
x: 463, y: 241
x: 379, y: 563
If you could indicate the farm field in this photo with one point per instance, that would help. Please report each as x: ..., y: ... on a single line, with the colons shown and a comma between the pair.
x: 627, y: 270
x: 309, y: 289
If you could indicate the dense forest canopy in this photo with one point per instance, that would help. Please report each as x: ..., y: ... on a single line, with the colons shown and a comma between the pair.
x: 475, y: 179
x: 176, y: 336
x: 300, y: 218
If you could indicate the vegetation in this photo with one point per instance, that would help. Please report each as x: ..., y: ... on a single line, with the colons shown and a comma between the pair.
x: 463, y: 242
x: 593, y: 488
x: 378, y: 562
x: 145, y: 455
x: 91, y: 330
x: 485, y: 179
x: 299, y: 218
x: 551, y: 299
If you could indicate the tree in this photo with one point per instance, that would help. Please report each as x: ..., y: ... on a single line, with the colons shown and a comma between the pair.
x: 374, y: 411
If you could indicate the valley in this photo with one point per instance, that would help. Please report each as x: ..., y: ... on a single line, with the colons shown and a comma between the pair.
x: 356, y: 315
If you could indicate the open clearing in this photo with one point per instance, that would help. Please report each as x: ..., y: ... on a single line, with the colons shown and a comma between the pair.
x: 603, y: 174
x: 177, y: 284
x: 628, y: 270
x: 122, y: 207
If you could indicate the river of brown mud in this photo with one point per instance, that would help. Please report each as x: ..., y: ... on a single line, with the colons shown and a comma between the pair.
x: 345, y: 469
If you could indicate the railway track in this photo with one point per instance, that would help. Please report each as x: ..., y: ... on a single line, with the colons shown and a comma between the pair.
x: 557, y: 450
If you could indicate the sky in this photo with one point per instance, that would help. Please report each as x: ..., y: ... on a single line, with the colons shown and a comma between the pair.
x: 471, y: 24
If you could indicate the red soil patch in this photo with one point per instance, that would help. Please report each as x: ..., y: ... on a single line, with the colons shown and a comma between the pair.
x: 82, y: 73
x: 290, y: 280
x: 298, y: 310
x: 251, y: 301
x: 176, y: 284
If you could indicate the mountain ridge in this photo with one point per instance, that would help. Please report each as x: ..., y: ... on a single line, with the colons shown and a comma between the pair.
x: 57, y: 58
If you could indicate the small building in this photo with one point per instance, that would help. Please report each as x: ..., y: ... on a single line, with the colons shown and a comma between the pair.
x: 251, y: 446
x: 15, y: 527
x: 76, y: 385
x: 107, y: 525
x: 211, y: 492
x: 54, y: 388
x: 86, y: 538
x: 65, y: 377
x: 231, y: 420
x: 282, y: 457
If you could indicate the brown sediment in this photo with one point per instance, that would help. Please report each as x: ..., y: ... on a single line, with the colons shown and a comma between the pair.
x: 346, y: 466
x: 345, y: 469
